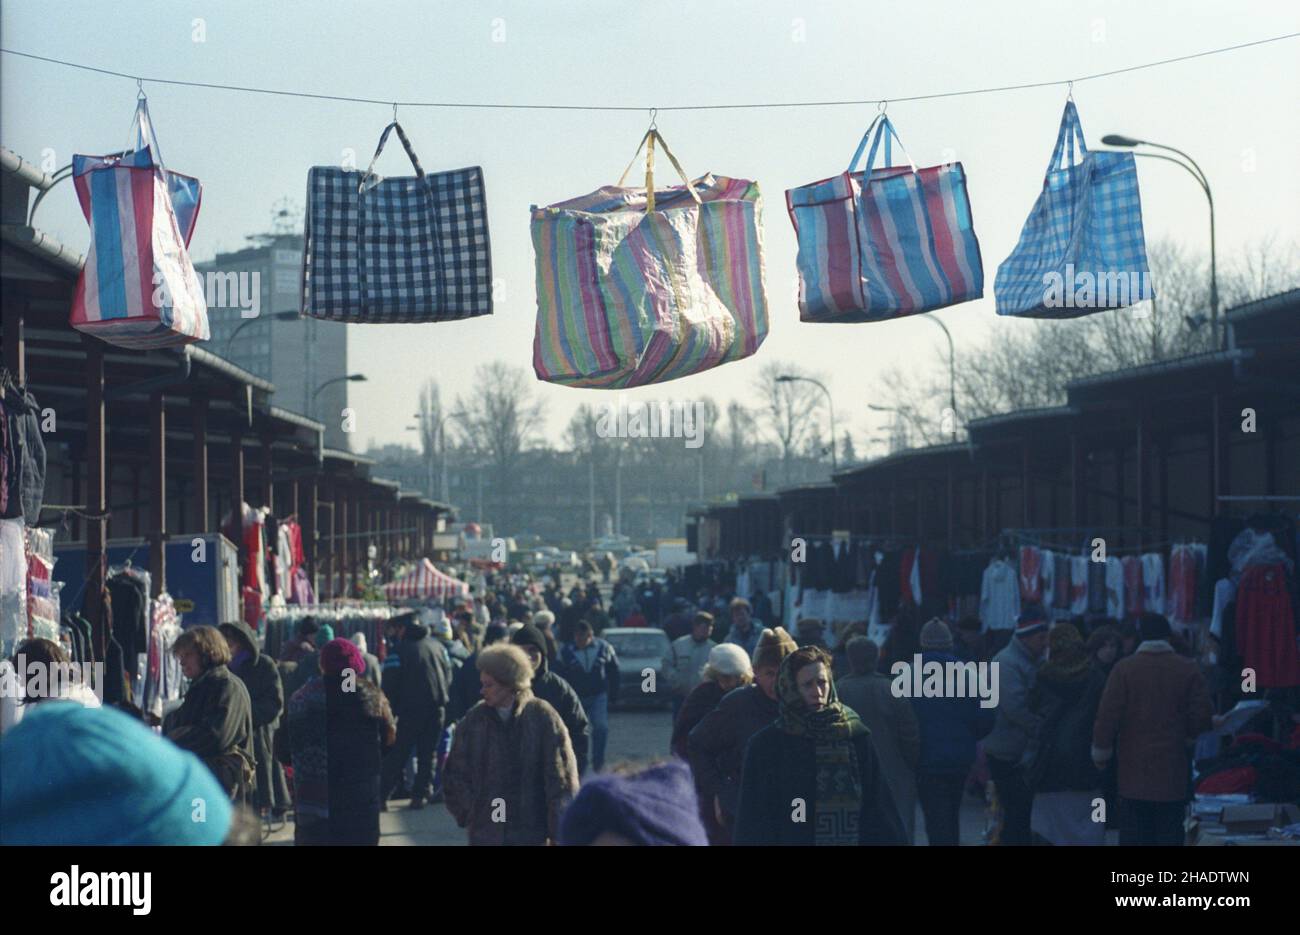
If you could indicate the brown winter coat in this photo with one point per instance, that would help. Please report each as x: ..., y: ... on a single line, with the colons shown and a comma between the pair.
x: 1153, y: 708
x: 526, y: 763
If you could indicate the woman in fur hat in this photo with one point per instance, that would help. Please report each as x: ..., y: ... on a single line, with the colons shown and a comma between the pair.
x: 511, y: 770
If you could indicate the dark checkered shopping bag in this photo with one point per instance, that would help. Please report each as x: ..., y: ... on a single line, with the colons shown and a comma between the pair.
x: 396, y: 250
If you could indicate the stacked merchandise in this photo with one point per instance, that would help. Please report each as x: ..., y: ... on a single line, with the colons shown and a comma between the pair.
x: 249, y: 535
x: 345, y: 619
x: 286, y: 556
x: 1256, y: 621
x: 1000, y: 594
x: 160, y: 680
x: 42, y: 591
x: 13, y: 585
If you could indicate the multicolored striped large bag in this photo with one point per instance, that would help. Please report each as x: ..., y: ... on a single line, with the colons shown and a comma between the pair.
x: 1082, y: 249
x: 138, y: 288
x: 884, y: 243
x: 639, y: 286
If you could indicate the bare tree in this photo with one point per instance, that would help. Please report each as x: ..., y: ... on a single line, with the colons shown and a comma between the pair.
x: 499, y: 418
x: 787, y: 407
x: 1028, y: 364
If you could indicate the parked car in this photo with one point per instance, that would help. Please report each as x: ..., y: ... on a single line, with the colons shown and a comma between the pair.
x: 639, y: 649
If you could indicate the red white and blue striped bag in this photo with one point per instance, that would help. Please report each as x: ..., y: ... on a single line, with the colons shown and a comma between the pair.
x: 884, y: 243
x: 138, y: 288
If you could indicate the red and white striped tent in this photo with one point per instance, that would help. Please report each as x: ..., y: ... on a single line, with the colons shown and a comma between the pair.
x: 425, y: 581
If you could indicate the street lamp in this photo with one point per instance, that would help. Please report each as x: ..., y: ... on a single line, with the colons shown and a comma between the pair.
x: 787, y: 378
x: 350, y: 378
x: 1129, y: 142
x: 952, y: 373
x: 278, y: 316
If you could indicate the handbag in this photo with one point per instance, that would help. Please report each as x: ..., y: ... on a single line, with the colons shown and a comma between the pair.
x: 1082, y: 249
x: 884, y: 243
x: 396, y: 250
x: 643, y: 285
x: 138, y: 288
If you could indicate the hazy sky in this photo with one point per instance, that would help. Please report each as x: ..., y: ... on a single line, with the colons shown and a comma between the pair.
x: 1235, y: 113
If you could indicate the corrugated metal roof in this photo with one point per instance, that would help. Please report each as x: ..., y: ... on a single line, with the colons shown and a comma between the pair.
x: 1192, y: 361
x: 1272, y: 303
x: 1023, y: 415
x: 297, y: 419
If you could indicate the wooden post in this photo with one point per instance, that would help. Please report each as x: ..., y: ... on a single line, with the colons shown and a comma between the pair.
x: 158, y: 494
x: 96, y: 501
x: 1026, y: 487
x: 1076, y: 481
x: 15, y: 342
x: 237, y: 466
x: 202, y: 511
x: 952, y: 507
x: 268, y: 485
x: 1143, y: 474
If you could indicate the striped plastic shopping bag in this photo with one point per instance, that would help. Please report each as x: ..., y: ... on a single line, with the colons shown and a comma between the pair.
x: 884, y: 243
x: 1082, y: 249
x: 638, y: 285
x: 138, y: 288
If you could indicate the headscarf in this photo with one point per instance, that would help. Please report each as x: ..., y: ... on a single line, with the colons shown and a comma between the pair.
x: 1068, y: 659
x: 837, y: 801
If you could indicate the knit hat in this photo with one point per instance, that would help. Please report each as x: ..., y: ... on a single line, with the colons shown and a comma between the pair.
x: 936, y: 635
x: 324, y: 635
x: 494, y: 633
x: 729, y: 659
x: 773, y: 646
x: 442, y: 630
x: 657, y: 806
x: 1032, y: 619
x: 340, y: 654
x: 543, y: 618
x: 94, y: 776
x: 529, y: 635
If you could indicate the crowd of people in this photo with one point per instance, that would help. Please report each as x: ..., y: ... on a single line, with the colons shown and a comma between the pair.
x: 498, y: 708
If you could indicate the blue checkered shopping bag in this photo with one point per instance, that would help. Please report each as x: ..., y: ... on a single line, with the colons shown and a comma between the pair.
x: 396, y: 250
x: 1082, y: 249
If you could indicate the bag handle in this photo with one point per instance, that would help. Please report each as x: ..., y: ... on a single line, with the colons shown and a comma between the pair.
x: 648, y: 142
x: 884, y: 128
x: 406, y: 144
x: 1066, y: 136
x: 142, y: 133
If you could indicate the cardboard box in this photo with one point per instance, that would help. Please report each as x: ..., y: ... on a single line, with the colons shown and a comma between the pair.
x: 1258, y: 818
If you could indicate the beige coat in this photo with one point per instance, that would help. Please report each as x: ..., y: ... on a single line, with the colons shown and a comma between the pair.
x: 508, y: 781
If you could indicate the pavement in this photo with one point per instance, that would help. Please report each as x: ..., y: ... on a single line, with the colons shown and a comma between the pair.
x: 635, y: 735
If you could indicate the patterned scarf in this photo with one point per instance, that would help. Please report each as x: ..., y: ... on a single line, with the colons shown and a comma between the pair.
x: 307, y: 726
x: 838, y: 802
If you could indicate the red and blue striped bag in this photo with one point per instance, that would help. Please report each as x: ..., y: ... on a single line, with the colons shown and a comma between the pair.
x: 884, y: 243
x: 138, y: 288
x: 638, y: 285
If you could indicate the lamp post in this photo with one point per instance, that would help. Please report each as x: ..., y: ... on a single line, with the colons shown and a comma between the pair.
x: 350, y: 378
x: 277, y: 316
x: 1129, y: 142
x: 952, y: 372
x: 787, y: 378
x: 442, y: 441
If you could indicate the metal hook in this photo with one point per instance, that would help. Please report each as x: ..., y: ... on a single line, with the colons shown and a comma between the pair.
x: 1069, y: 90
x: 139, y: 90
x: 394, y: 112
x: 654, y: 117
x: 882, y: 107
